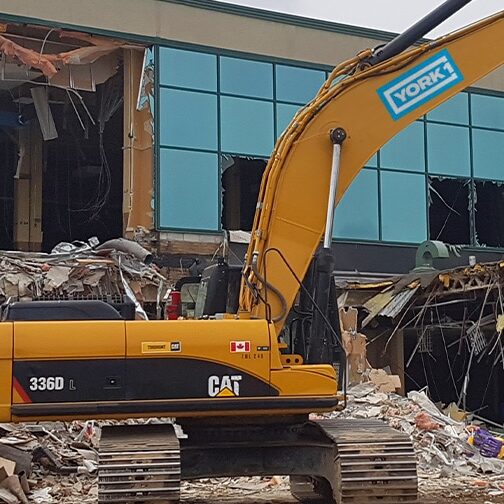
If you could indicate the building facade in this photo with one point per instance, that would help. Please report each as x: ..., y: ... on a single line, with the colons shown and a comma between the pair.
x: 225, y: 82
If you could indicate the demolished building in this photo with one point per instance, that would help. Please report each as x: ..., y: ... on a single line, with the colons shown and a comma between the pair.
x: 68, y: 106
x: 439, y: 330
x: 156, y: 124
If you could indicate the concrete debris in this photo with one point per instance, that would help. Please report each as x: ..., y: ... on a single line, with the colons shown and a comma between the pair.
x: 354, y: 344
x: 64, y: 456
x: 456, y: 460
x: 63, y: 462
x: 444, y: 446
x: 257, y: 489
x: 383, y: 381
x: 42, y: 495
x: 82, y: 271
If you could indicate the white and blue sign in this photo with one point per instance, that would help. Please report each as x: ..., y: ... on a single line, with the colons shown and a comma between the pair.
x: 420, y: 84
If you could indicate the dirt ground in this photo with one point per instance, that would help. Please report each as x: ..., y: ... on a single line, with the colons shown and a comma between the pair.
x: 284, y: 498
x: 432, y: 491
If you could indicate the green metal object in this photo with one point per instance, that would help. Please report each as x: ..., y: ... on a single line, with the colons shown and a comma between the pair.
x: 432, y: 249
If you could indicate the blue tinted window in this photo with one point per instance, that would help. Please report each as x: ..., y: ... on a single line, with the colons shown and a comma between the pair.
x: 188, y: 119
x: 488, y: 154
x: 297, y: 85
x: 285, y: 113
x: 356, y: 215
x: 455, y: 110
x: 487, y: 111
x: 245, y: 77
x: 448, y: 150
x: 403, y: 209
x: 406, y: 150
x: 187, y: 69
x: 188, y: 190
x: 246, y: 126
x: 373, y: 161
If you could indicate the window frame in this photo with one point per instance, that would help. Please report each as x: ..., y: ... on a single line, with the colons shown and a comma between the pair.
x: 425, y: 120
x: 220, y: 151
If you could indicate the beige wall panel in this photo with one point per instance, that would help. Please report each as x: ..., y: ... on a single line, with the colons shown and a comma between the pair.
x: 198, y: 26
x: 257, y: 36
x: 128, y: 16
x: 154, y: 18
x: 138, y: 153
x: 494, y: 81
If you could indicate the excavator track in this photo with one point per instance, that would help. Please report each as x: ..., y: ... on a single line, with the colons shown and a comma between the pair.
x: 139, y: 464
x: 338, y: 460
x: 374, y: 463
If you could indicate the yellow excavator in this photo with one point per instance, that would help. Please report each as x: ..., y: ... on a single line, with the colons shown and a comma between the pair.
x: 242, y: 380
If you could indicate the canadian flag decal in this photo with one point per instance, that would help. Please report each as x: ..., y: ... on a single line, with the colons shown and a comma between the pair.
x: 239, y: 346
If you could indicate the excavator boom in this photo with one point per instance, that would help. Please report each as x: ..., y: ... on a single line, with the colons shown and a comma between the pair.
x: 371, y: 99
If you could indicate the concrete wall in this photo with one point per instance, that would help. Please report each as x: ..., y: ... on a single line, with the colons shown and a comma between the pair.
x: 170, y: 21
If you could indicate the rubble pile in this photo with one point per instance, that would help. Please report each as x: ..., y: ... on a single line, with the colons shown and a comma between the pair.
x: 243, y: 490
x: 48, y: 462
x: 115, y: 272
x: 440, y: 441
x: 453, y: 456
x: 56, y: 462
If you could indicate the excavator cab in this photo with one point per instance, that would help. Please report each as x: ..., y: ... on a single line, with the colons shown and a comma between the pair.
x: 218, y: 291
x: 218, y: 295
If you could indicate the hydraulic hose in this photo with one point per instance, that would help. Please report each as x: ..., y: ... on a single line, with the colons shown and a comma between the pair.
x: 272, y: 288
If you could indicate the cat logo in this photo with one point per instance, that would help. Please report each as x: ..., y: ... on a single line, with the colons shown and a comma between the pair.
x: 225, y: 386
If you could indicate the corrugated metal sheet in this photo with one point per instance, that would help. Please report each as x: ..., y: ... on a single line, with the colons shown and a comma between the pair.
x: 398, y: 303
x: 376, y: 304
x: 387, y: 304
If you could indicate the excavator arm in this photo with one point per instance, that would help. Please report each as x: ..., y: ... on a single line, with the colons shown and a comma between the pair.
x: 366, y: 101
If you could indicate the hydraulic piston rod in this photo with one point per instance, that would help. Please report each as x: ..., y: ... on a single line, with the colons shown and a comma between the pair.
x: 417, y: 31
x: 320, y: 350
x: 337, y: 135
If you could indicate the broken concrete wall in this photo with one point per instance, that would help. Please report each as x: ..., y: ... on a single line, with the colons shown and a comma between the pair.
x: 440, y: 329
x: 64, y: 102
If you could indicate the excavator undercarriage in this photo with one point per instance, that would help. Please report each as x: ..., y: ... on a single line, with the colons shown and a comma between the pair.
x: 333, y: 460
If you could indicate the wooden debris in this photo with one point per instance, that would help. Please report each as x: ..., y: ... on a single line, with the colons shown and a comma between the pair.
x: 354, y: 344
